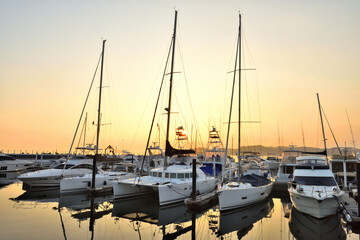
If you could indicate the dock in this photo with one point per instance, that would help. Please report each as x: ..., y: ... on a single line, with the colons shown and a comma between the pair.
x: 351, y: 206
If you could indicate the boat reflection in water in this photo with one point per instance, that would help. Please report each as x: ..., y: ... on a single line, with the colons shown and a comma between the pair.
x: 81, y: 206
x: 242, y: 220
x: 303, y: 226
x: 170, y: 218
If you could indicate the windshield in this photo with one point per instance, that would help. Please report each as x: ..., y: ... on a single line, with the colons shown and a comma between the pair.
x: 61, y: 166
x: 318, y: 181
x: 6, y: 158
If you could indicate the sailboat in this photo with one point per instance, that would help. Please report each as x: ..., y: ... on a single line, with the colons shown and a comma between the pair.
x: 251, y: 187
x: 94, y: 181
x: 172, y: 183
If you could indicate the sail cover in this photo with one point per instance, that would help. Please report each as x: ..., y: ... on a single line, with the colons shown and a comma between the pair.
x: 170, y: 151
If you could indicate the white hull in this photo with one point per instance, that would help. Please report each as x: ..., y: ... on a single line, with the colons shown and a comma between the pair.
x: 171, y: 193
x: 314, y: 207
x: 15, y: 165
x: 241, y: 196
x: 50, y: 177
x: 168, y: 192
x: 131, y: 189
x: 103, y: 181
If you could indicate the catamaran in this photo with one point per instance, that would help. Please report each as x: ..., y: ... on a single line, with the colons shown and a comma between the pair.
x: 172, y: 183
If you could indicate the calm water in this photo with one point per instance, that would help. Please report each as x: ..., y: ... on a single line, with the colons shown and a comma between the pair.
x: 47, y: 215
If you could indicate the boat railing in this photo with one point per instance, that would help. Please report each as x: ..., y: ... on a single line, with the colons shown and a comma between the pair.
x: 316, y: 189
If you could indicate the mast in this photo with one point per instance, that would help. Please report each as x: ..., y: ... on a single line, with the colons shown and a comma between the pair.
x: 239, y: 123
x: 98, y: 121
x: 168, y: 109
x: 231, y: 102
x: 322, y: 126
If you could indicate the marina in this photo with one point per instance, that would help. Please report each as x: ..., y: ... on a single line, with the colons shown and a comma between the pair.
x: 180, y: 120
x: 57, y: 216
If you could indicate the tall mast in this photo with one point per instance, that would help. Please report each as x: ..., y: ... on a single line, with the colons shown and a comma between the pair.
x: 98, y: 121
x: 168, y: 109
x: 239, y: 123
x: 322, y: 125
x: 231, y: 102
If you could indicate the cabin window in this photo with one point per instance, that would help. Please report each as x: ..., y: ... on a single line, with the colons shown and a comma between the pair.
x: 172, y: 175
x: 154, y: 174
x: 3, y: 168
x: 6, y: 158
x: 187, y: 175
x: 83, y: 166
x: 319, y: 181
x: 289, y: 169
x: 191, y: 175
x: 167, y: 175
x: 61, y: 166
x: 181, y: 175
x: 160, y: 174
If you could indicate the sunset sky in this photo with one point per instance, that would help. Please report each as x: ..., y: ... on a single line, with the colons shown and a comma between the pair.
x: 49, y: 51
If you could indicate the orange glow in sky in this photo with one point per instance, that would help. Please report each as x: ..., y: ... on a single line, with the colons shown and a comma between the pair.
x: 49, y: 51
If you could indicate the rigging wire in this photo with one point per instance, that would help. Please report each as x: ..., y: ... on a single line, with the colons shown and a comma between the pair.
x: 156, y: 106
x: 146, y: 106
x: 257, y: 87
x: 188, y: 92
x: 332, y: 133
x: 352, y: 135
x: 82, y: 112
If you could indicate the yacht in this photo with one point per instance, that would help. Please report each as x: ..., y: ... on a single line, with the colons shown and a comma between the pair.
x: 173, y: 184
x: 214, y: 155
x: 287, y: 165
x: 313, y: 189
x: 103, y: 181
x: 253, y: 184
x: 10, y: 164
x: 52, y: 177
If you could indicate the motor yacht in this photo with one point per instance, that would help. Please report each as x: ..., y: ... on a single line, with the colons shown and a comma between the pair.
x: 10, y: 164
x: 103, y: 181
x: 313, y: 189
x: 287, y: 165
x: 52, y: 177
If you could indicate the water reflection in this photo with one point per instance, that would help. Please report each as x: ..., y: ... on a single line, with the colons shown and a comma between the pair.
x: 303, y: 226
x: 81, y: 206
x: 82, y: 216
x: 242, y: 220
x: 146, y: 209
